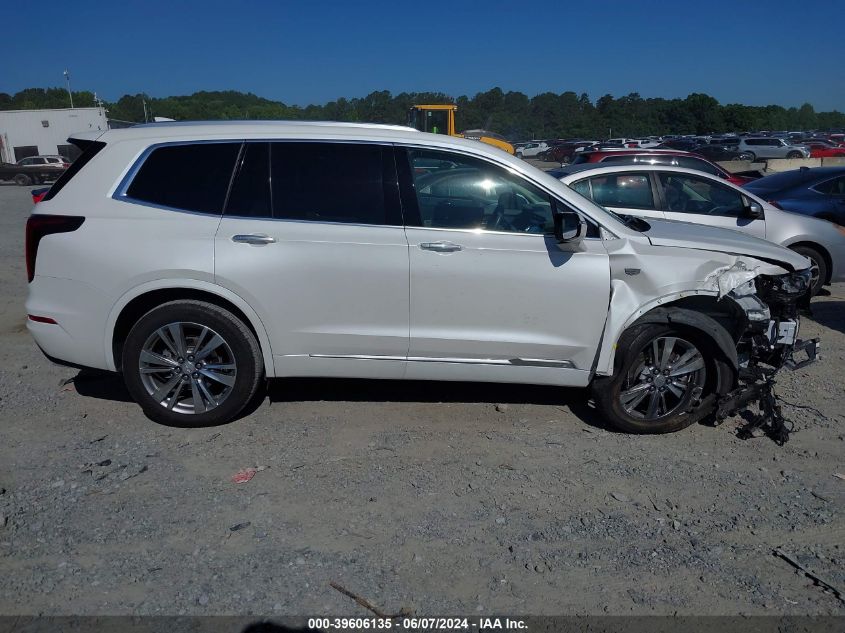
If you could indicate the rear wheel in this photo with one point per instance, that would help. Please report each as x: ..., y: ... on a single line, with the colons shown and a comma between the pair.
x: 660, y: 372
x: 191, y: 364
x: 23, y: 179
x: 818, y: 268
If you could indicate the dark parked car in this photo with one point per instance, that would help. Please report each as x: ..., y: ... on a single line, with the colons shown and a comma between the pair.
x: 682, y: 144
x: 34, y: 169
x: 718, y: 153
x: 817, y: 191
x: 564, y: 152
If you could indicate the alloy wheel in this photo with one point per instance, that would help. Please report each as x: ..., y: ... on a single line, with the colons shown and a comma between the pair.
x: 187, y: 367
x: 662, y: 379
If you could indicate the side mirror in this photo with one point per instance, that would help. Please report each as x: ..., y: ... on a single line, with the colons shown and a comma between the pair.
x: 754, y: 211
x: 570, y: 227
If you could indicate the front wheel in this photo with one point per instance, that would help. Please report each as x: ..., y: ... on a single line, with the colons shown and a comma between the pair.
x: 795, y: 155
x: 519, y: 154
x: 191, y: 364
x: 659, y: 375
x: 818, y: 268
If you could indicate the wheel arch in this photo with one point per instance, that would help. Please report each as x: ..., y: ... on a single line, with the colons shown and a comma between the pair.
x: 821, y: 250
x: 138, y: 301
x: 701, y: 310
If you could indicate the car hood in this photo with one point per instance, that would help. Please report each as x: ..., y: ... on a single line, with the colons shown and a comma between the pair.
x: 709, y: 238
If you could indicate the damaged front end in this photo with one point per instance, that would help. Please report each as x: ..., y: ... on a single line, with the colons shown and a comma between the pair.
x: 767, y: 342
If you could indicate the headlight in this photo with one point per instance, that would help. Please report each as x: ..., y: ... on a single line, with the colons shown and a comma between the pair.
x: 785, y: 287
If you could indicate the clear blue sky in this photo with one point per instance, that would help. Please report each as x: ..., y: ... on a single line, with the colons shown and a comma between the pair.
x: 311, y: 51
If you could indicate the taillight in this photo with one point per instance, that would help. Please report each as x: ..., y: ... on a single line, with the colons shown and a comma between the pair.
x: 38, y: 226
x: 775, y: 204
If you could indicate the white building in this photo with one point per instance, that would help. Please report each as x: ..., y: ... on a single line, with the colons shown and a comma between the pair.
x: 37, y: 132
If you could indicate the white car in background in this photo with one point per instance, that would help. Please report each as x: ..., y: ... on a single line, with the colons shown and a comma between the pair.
x: 199, y: 258
x: 531, y: 149
x: 688, y: 195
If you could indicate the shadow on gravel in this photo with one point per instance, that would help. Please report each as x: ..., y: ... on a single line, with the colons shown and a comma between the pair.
x: 109, y: 386
x: 354, y: 390
x: 830, y: 314
x: 270, y: 627
x: 102, y: 385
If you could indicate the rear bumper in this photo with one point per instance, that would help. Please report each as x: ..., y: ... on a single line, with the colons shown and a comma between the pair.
x: 77, y: 338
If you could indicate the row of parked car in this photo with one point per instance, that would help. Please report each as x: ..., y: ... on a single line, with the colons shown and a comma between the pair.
x: 721, y: 148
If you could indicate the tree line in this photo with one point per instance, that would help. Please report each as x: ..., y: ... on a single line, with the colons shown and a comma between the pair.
x: 512, y: 114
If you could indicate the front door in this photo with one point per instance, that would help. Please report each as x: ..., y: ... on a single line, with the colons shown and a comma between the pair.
x: 493, y: 297
x: 321, y: 255
x: 703, y: 200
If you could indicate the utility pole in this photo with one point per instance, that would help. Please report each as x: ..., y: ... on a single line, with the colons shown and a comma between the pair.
x: 69, y: 93
x: 144, y: 103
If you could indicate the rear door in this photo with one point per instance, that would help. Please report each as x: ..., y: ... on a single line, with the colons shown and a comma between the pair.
x: 702, y: 200
x: 312, y: 238
x: 629, y: 193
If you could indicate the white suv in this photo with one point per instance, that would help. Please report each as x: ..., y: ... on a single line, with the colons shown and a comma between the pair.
x: 199, y: 258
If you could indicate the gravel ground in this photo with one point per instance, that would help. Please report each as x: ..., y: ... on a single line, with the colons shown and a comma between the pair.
x: 440, y: 499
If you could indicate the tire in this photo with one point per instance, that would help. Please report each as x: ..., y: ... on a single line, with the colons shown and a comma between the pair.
x: 222, y: 392
x: 752, y: 157
x: 795, y: 155
x: 745, y: 156
x: 23, y: 179
x: 519, y: 154
x: 613, y: 394
x: 819, y: 269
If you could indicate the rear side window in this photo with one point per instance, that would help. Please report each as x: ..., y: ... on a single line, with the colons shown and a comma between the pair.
x: 334, y: 182
x: 188, y: 177
x: 695, y: 163
x: 90, y: 151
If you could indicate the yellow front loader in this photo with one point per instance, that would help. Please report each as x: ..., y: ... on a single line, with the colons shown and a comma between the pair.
x: 440, y: 119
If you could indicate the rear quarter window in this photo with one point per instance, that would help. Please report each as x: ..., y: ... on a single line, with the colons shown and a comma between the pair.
x: 192, y: 177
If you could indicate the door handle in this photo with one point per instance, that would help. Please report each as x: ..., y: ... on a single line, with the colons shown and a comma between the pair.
x: 256, y: 239
x: 441, y: 247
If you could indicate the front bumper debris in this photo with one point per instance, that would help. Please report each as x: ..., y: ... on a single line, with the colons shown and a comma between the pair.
x: 757, y: 382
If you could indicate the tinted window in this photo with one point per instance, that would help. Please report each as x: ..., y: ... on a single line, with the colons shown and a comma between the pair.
x: 694, y: 163
x: 629, y: 159
x: 333, y: 182
x: 191, y: 177
x: 250, y: 193
x: 478, y: 195
x: 632, y: 191
x: 689, y: 194
x: 835, y: 187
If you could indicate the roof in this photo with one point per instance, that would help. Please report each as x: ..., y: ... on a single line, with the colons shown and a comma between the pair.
x: 198, y: 130
x: 605, y: 168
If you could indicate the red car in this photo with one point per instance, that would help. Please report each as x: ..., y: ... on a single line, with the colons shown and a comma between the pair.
x: 659, y: 157
x: 38, y: 194
x: 823, y: 149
